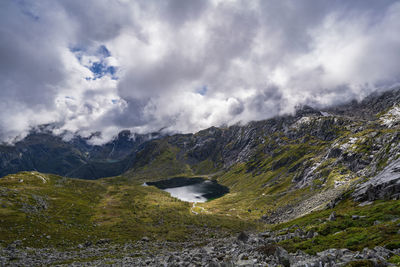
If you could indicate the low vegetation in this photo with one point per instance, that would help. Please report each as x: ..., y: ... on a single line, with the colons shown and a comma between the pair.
x: 48, y: 210
x: 355, y: 227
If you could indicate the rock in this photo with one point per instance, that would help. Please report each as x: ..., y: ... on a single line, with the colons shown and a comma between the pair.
x: 368, y: 253
x: 332, y: 217
x: 310, y: 234
x: 283, y: 256
x: 206, y: 250
x: 264, y: 234
x: 365, y: 203
x: 299, y: 232
x: 14, y: 245
x: 334, y: 153
x: 243, y: 256
x: 329, y: 254
x: 217, y: 252
x: 383, y: 252
x: 103, y: 241
x: 243, y: 237
x: 385, y: 185
x: 355, y: 217
x: 145, y: 239
x: 243, y: 263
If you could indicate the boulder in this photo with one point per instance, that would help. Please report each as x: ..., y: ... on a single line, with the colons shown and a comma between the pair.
x: 283, y: 256
x: 385, y: 185
x: 332, y: 217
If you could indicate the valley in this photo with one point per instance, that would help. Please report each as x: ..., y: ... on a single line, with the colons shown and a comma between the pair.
x: 314, y: 187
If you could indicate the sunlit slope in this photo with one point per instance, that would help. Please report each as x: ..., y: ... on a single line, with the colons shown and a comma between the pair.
x: 43, y: 210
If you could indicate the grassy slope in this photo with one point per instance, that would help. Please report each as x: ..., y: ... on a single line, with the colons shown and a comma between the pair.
x: 265, y: 183
x: 81, y: 210
x: 378, y: 225
x: 158, y: 161
x: 121, y: 209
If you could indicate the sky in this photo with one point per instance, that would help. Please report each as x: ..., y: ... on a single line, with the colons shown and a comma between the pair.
x: 185, y: 65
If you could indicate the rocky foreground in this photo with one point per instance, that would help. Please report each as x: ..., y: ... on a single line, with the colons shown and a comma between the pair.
x: 244, y: 250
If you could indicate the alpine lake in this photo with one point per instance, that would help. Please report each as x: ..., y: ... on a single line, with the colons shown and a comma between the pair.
x: 191, y: 189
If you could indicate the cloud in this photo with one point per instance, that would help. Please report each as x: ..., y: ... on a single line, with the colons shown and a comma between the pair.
x: 103, y: 66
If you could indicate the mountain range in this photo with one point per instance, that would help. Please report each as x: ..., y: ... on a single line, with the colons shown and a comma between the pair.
x: 285, y: 173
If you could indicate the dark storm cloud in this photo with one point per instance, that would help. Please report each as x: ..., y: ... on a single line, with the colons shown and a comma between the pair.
x: 105, y: 65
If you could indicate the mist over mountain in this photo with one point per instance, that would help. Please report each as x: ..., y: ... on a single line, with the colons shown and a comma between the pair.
x: 75, y: 156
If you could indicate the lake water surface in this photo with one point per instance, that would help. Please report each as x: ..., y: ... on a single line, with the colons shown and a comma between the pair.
x: 191, y: 189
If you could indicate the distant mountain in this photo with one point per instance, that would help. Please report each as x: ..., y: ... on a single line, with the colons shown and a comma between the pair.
x: 213, y: 149
x: 47, y: 153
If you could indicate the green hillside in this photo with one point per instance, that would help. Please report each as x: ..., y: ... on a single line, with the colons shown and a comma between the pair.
x: 47, y: 210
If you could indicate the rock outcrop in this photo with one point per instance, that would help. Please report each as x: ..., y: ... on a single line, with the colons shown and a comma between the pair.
x: 385, y: 185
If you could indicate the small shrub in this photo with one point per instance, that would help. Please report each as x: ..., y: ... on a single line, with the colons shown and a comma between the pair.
x: 395, y: 259
x: 356, y: 240
x: 267, y: 250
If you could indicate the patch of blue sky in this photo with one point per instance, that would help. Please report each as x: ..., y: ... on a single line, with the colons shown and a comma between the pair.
x: 75, y: 49
x: 98, y: 68
x: 102, y: 50
x: 203, y: 90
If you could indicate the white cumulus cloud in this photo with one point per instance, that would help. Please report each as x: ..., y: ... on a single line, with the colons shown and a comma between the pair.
x: 107, y: 65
